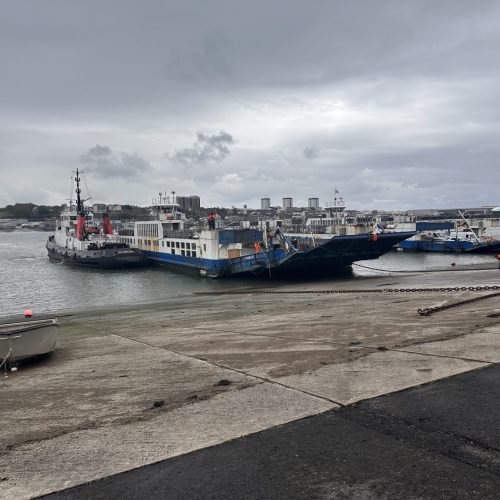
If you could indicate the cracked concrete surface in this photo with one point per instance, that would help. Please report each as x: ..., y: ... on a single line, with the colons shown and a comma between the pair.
x: 88, y: 411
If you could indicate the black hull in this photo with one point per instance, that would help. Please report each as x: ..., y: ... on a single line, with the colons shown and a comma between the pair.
x: 340, y: 252
x: 113, y: 258
x: 333, y: 257
x: 486, y: 249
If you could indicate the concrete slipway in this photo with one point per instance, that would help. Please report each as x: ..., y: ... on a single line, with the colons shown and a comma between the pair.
x: 136, y: 385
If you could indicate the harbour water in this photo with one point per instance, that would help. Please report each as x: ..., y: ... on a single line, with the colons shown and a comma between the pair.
x: 29, y: 280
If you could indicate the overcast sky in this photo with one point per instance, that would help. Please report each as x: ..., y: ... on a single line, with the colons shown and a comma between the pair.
x: 395, y: 103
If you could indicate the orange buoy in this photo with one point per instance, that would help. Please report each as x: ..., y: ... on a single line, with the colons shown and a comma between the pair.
x: 28, y: 313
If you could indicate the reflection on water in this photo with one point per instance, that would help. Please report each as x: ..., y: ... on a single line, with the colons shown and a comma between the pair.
x: 28, y: 279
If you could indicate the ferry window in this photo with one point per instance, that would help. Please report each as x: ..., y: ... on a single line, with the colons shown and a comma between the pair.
x: 188, y: 253
x: 193, y: 246
x: 183, y: 252
x: 183, y: 245
x: 173, y: 251
x: 176, y: 244
x: 193, y: 254
x: 204, y: 247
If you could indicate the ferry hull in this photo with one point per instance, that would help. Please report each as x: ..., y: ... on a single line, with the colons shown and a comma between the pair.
x: 333, y: 256
x: 486, y: 248
x: 340, y: 252
x: 109, y: 258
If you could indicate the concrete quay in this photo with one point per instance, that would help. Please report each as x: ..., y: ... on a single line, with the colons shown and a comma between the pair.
x: 163, y: 383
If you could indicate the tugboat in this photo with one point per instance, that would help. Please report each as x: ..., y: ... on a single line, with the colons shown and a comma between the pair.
x: 76, y: 241
x: 215, y: 252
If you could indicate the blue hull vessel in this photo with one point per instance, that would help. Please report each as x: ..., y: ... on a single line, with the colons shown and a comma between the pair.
x: 334, y: 255
x: 449, y: 246
x: 216, y: 252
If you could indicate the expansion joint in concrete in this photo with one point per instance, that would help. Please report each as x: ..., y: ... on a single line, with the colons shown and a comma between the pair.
x: 235, y: 370
x: 360, y: 346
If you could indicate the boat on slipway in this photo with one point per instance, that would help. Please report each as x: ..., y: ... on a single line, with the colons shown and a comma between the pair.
x: 77, y: 241
x: 216, y: 252
x: 26, y: 339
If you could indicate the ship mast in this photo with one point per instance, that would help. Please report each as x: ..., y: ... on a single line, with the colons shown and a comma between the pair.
x: 81, y: 232
x: 79, y: 204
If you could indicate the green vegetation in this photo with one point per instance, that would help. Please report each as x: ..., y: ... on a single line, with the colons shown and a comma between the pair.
x: 34, y: 212
x: 130, y: 212
x: 30, y: 211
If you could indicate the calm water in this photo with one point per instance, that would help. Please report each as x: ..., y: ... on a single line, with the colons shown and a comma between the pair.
x: 28, y: 279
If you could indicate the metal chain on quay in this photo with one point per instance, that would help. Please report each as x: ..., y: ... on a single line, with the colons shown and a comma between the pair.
x: 422, y: 312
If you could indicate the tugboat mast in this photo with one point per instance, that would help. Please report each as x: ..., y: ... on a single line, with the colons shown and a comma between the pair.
x: 79, y: 204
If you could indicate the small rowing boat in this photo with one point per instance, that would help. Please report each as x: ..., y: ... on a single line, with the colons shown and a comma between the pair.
x: 26, y: 339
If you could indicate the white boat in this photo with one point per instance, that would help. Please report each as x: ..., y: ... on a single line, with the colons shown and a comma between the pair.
x: 26, y: 339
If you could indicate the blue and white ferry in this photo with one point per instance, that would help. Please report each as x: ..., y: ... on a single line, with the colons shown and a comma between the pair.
x: 215, y: 252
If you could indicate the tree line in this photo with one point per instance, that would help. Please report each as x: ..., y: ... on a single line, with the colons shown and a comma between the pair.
x: 34, y: 212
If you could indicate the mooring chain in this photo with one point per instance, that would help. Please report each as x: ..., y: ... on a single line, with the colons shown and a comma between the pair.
x: 479, y: 288
x: 430, y: 310
x: 423, y: 312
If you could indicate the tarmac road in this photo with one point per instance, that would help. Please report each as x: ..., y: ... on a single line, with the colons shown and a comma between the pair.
x: 440, y: 440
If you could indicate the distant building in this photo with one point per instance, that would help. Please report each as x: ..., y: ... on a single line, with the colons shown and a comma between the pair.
x: 313, y: 203
x: 188, y: 202
x: 184, y: 202
x: 115, y: 208
x: 287, y: 203
x: 265, y: 203
x: 195, y: 202
x: 99, y: 208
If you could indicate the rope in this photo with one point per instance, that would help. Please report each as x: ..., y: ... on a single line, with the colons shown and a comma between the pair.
x: 4, y: 362
x: 418, y: 271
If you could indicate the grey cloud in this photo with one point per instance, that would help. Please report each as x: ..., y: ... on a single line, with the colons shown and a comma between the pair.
x: 93, y: 62
x: 310, y: 153
x: 103, y: 162
x: 209, y: 59
x: 206, y: 149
